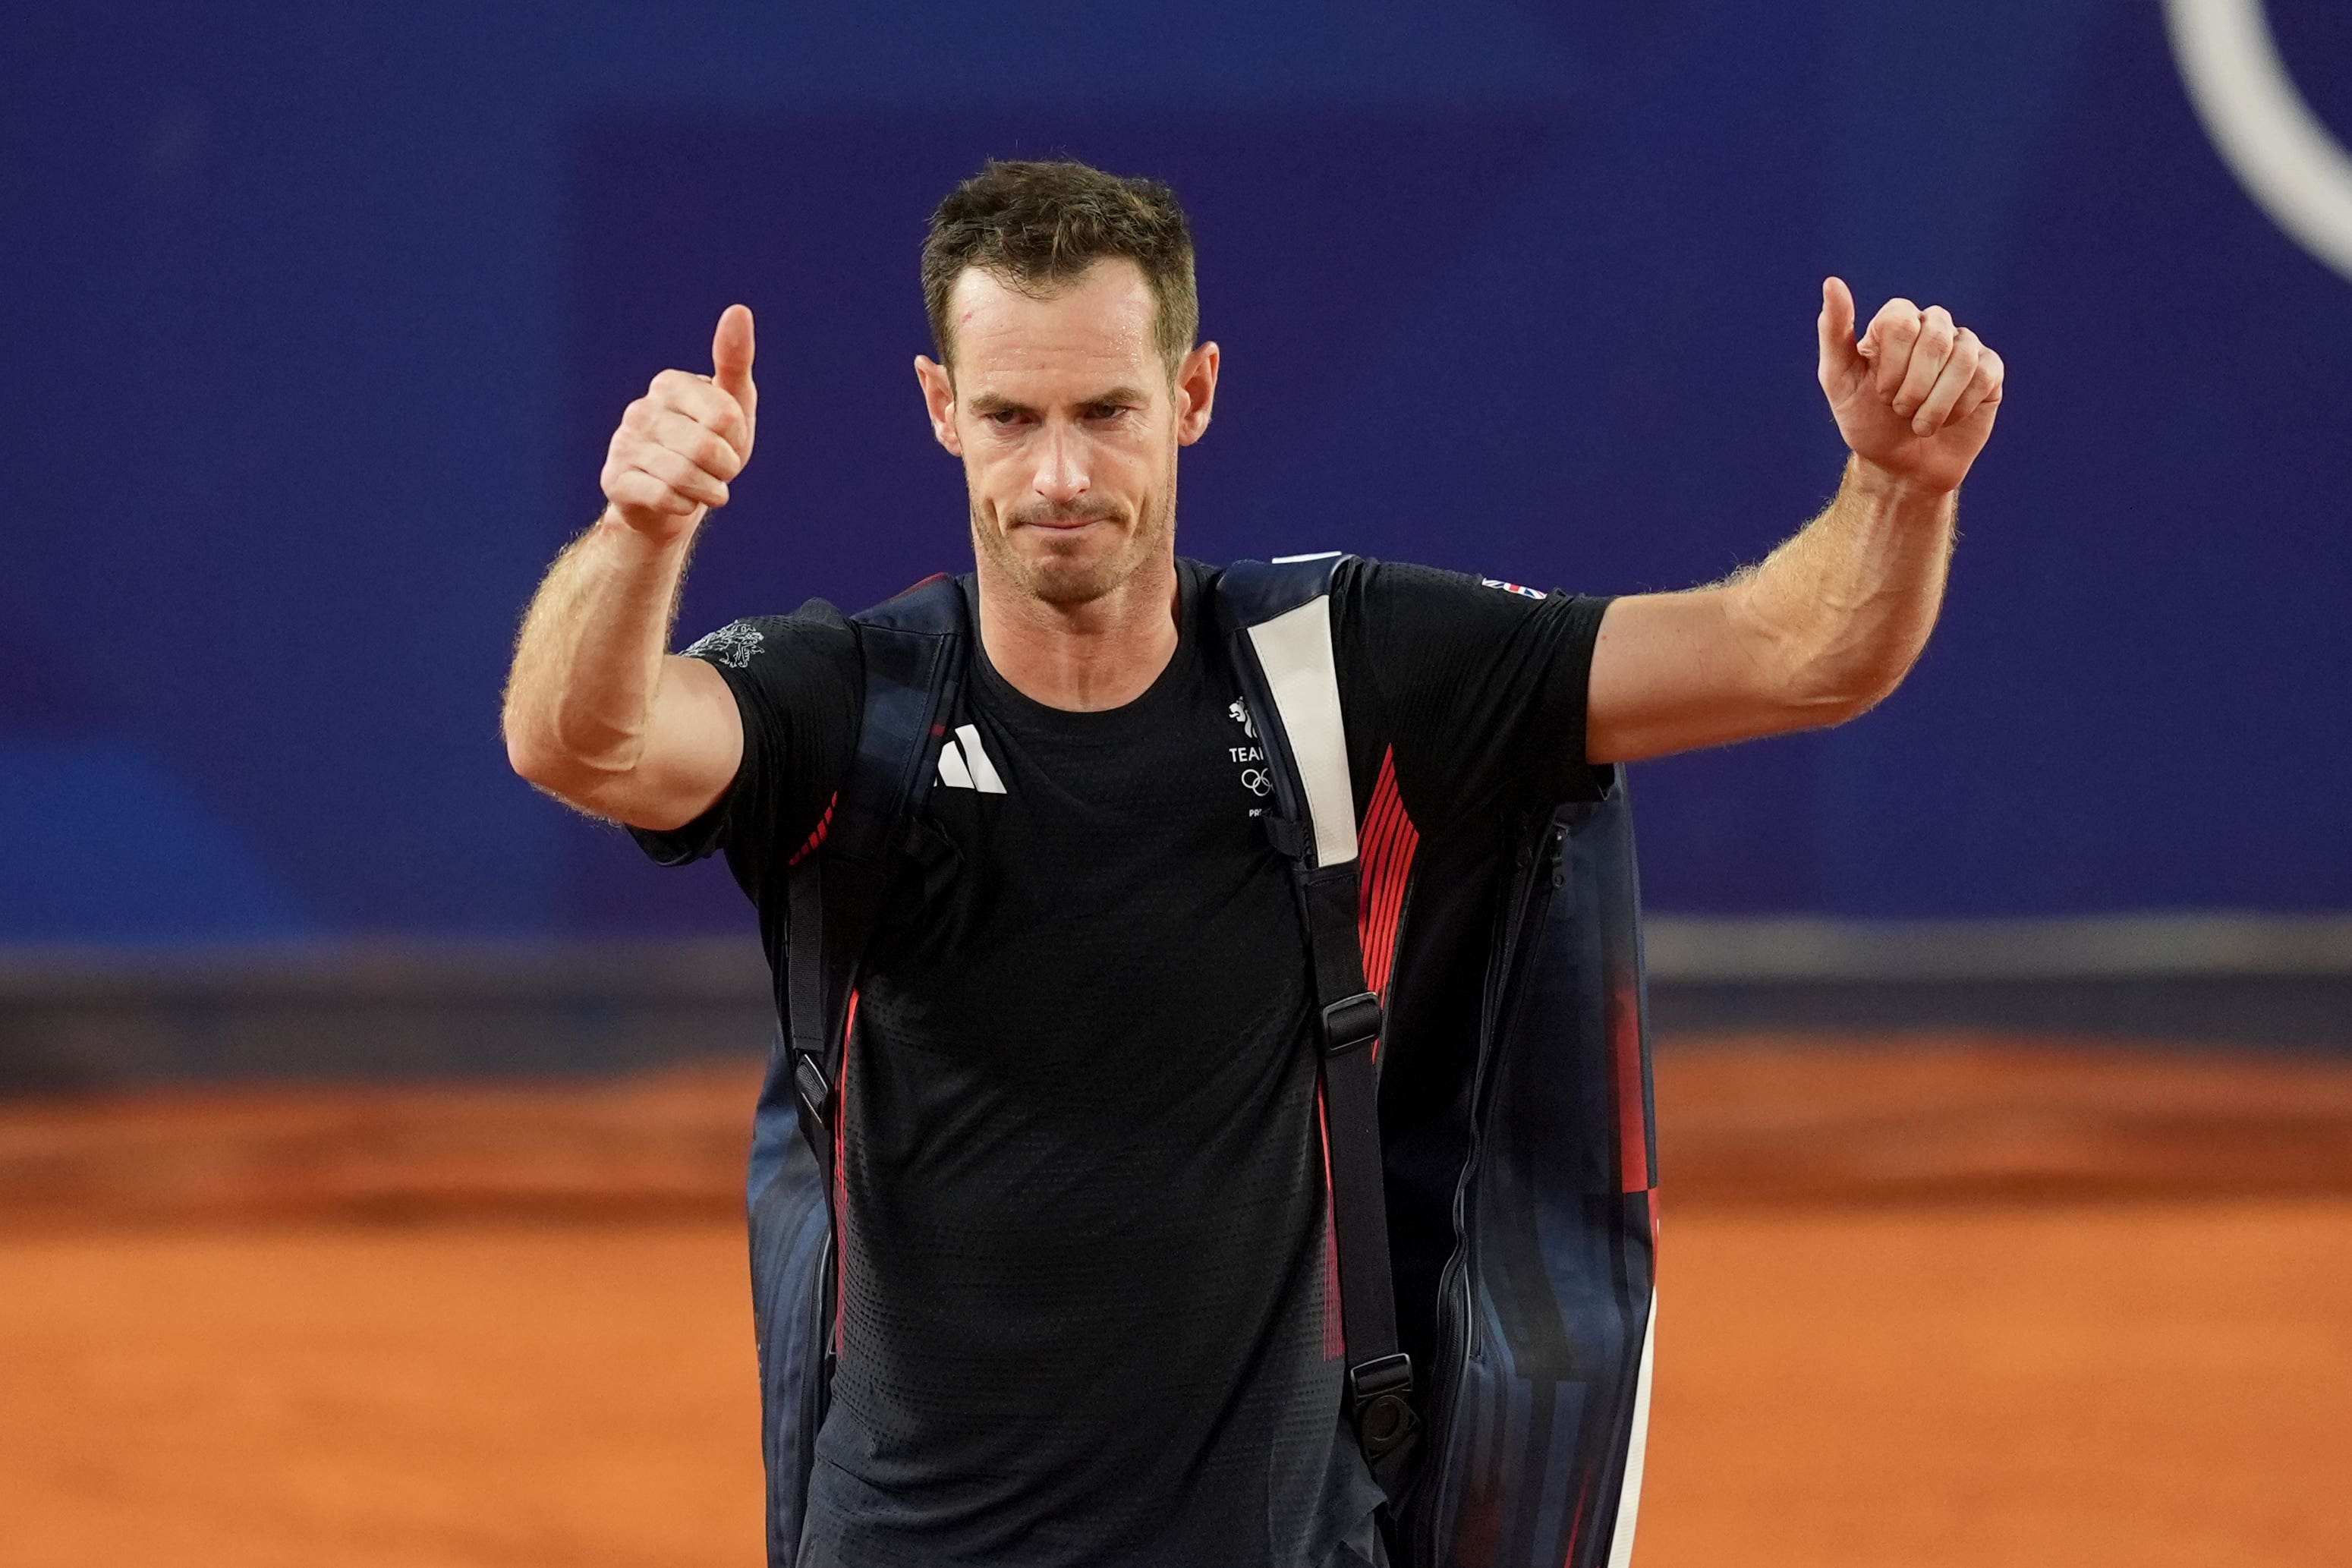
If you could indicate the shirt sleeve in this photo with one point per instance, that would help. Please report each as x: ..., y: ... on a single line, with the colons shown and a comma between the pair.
x: 799, y: 685
x: 1478, y: 686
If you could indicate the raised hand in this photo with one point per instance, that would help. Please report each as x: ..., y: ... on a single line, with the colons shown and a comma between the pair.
x: 681, y: 443
x: 1916, y: 396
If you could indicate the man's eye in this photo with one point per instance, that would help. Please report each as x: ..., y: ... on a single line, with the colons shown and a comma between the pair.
x: 1004, y: 418
x: 1105, y: 411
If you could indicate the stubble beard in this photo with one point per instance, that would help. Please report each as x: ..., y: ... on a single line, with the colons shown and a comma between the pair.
x: 1067, y: 579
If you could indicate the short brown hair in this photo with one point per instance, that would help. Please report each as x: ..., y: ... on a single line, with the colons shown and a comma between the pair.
x: 1038, y: 225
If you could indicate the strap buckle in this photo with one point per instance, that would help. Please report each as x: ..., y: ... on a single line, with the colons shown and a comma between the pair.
x: 815, y: 1094
x: 1379, y: 1400
x: 1290, y: 838
x: 815, y: 1097
x: 1351, y: 1023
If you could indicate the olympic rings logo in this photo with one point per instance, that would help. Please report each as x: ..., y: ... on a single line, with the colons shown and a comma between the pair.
x: 2281, y: 154
x: 1255, y: 781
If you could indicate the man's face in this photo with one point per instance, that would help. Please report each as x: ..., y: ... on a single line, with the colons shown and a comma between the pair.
x: 1067, y: 422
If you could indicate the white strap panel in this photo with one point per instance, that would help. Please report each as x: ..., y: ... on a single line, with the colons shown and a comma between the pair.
x: 1629, y: 1502
x: 1294, y: 650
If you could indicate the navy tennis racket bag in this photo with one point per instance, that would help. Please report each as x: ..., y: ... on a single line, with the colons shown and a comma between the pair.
x: 1486, y: 1078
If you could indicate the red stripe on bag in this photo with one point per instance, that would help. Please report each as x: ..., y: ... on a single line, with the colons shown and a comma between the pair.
x: 1632, y: 1123
x: 1335, y: 1334
x: 1385, y: 868
x: 815, y: 840
x: 841, y: 1176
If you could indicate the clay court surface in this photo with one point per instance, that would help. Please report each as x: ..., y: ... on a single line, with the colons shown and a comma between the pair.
x: 1962, y: 1303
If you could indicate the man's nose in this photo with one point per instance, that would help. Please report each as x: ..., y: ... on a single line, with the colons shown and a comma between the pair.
x: 1062, y: 465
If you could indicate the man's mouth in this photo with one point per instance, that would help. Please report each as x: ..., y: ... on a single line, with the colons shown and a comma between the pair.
x: 1058, y: 524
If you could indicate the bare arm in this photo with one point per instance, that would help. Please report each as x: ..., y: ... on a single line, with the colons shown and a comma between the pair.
x: 1834, y: 619
x: 598, y: 712
x: 1821, y: 632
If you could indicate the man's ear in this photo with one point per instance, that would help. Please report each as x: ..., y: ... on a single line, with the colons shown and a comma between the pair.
x: 1196, y: 392
x: 939, y: 396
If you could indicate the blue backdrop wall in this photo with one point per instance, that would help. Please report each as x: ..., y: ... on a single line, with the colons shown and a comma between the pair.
x: 317, y: 317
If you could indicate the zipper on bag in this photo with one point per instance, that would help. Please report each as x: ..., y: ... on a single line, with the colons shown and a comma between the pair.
x: 1538, y: 868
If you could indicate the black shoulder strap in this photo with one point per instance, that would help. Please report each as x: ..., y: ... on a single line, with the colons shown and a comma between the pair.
x: 914, y: 649
x: 1276, y: 617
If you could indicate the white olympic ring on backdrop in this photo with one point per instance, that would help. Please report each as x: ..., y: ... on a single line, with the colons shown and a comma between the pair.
x: 2278, y: 150
x: 1255, y: 781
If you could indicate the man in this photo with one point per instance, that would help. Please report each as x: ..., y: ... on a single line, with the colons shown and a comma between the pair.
x: 1084, y: 1314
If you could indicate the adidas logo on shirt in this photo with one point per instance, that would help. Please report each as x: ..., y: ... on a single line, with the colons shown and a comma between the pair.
x: 964, y: 765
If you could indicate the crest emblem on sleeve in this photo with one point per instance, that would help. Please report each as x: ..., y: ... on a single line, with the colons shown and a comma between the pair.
x: 1513, y: 587
x: 731, y: 644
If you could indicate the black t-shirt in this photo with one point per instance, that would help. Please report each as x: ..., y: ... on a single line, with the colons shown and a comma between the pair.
x: 1089, y: 1305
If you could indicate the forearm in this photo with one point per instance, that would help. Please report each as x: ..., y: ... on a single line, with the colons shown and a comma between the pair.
x: 1839, y: 613
x: 1833, y: 620
x: 589, y: 664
